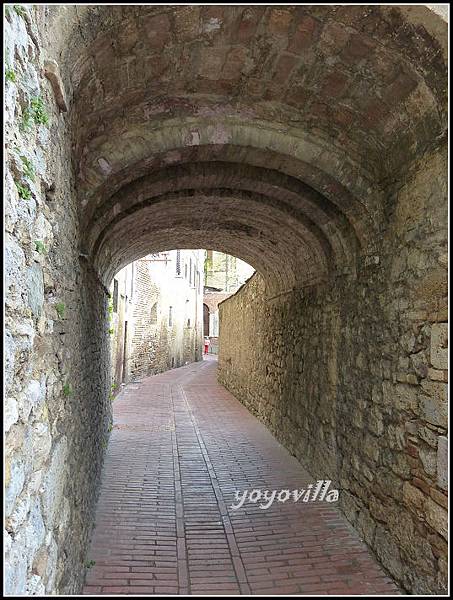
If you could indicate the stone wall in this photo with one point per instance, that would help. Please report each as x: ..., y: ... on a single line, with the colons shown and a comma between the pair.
x: 148, y: 339
x: 56, y: 350
x: 271, y: 354
x: 171, y: 148
x: 351, y: 377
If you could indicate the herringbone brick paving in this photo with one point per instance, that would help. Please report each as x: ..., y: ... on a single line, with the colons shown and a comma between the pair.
x: 180, y: 447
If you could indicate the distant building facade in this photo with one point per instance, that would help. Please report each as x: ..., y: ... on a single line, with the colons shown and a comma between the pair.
x: 224, y: 272
x: 224, y: 275
x: 157, y: 314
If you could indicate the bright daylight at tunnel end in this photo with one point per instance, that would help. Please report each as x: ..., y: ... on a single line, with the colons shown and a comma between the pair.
x: 226, y: 302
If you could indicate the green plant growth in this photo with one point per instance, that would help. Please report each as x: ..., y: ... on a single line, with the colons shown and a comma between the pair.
x: 67, y: 389
x: 112, y: 390
x: 10, y: 75
x: 27, y: 119
x: 90, y: 563
x: 23, y: 191
x: 39, y: 247
x: 110, y: 314
x: 29, y: 169
x: 40, y: 115
x: 20, y: 10
x: 60, y: 308
x: 207, y: 267
x: 34, y: 113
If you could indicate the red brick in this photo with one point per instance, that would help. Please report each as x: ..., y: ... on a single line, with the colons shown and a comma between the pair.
x: 163, y: 520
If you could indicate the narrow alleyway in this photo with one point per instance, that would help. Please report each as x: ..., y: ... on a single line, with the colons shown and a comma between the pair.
x: 180, y: 447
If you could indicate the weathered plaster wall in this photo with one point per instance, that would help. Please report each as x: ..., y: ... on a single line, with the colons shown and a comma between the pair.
x: 55, y: 340
x: 351, y: 378
x: 147, y: 290
x: 225, y: 272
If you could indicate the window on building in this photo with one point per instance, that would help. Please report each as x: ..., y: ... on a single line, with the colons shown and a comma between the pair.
x: 190, y: 276
x: 115, y: 295
x: 178, y: 262
x: 170, y: 316
x: 153, y: 314
x: 185, y: 270
x: 188, y: 322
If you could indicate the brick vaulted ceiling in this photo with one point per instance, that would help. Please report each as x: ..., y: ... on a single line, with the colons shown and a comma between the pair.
x: 267, y: 132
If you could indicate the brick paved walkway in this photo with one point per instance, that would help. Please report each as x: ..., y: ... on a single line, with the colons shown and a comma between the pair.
x: 181, y: 445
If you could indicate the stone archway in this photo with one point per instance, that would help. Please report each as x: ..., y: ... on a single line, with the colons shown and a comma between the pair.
x: 310, y: 141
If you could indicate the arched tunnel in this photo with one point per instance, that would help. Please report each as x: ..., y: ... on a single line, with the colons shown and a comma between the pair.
x: 309, y: 141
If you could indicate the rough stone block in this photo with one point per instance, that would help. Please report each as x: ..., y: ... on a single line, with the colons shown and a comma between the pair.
x: 400, y: 396
x: 388, y: 551
x: 305, y: 35
x: 437, y: 517
x: 33, y: 397
x: 35, y: 289
x: 439, y: 345
x: 52, y: 72
x: 14, y: 482
x: 412, y: 496
x: 429, y: 461
x: 279, y: 21
x: 375, y: 422
x: 10, y: 413
x: 437, y: 375
x: 434, y: 405
x: 439, y: 497
x: 442, y: 462
x: 54, y: 482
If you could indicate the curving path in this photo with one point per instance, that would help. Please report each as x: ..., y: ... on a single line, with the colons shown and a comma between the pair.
x: 180, y: 447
